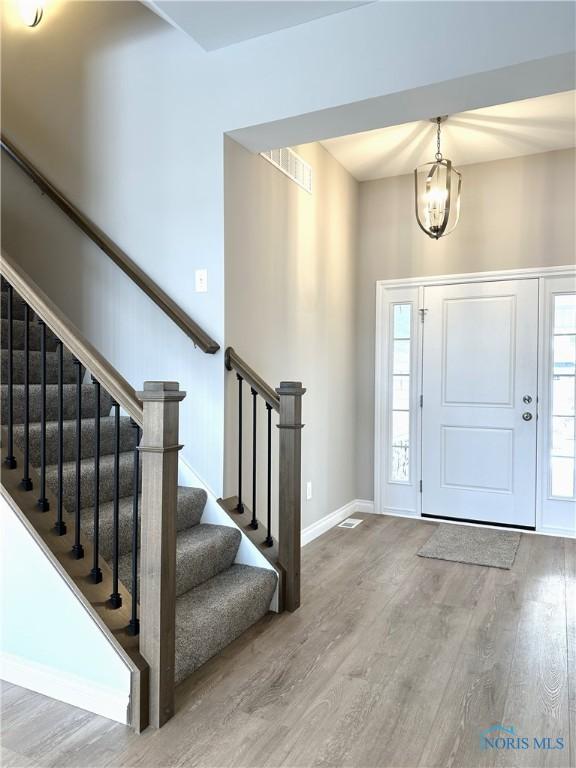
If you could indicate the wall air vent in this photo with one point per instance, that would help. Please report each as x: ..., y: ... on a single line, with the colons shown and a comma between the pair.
x: 292, y: 165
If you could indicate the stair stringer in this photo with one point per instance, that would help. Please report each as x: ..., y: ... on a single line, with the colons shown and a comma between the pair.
x: 247, y: 554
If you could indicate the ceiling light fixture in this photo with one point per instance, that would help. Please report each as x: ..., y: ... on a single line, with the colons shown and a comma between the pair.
x: 437, y: 188
x: 30, y: 12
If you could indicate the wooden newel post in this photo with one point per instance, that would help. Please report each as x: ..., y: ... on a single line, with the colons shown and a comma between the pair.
x: 289, y: 502
x: 159, y: 449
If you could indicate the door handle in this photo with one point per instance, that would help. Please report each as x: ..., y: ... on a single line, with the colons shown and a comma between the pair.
x: 527, y: 399
x: 527, y: 416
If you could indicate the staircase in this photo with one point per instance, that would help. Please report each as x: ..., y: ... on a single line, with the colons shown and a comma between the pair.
x: 90, y: 467
x: 217, y: 599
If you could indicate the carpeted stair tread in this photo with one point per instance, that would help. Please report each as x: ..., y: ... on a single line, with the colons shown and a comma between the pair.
x: 88, y: 434
x: 190, y: 506
x: 69, y: 395
x: 201, y: 552
x: 18, y: 327
x: 212, y: 615
x: 126, y: 479
x: 34, y: 363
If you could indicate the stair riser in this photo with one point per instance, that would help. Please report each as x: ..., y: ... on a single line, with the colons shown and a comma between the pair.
x: 87, y: 481
x: 35, y: 363
x: 88, y: 433
x: 18, y: 327
x: 88, y: 402
x: 217, y: 612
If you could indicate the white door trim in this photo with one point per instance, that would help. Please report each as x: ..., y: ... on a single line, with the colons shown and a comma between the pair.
x: 381, y: 372
x: 477, y: 277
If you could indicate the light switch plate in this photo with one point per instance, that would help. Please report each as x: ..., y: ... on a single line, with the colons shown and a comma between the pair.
x: 308, y: 490
x: 201, y: 281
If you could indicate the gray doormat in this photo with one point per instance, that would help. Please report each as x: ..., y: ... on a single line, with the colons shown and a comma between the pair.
x: 477, y: 546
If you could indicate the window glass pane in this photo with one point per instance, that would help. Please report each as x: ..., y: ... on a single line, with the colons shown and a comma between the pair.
x: 563, y: 395
x: 401, y: 361
x: 562, y: 436
x: 562, y: 476
x: 400, y: 428
x: 564, y: 355
x: 400, y: 464
x: 401, y: 393
x: 402, y: 317
x: 565, y: 313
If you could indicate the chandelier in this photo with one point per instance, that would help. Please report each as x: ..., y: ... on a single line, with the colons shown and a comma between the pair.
x: 437, y: 188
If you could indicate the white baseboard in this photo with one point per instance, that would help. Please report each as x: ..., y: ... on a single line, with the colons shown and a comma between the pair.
x: 312, y: 532
x: 64, y: 687
x: 366, y: 506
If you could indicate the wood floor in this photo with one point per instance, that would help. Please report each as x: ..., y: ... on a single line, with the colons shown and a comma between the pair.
x: 392, y: 660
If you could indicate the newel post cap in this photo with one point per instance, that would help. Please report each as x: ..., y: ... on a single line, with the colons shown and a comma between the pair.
x: 290, y: 388
x: 155, y: 391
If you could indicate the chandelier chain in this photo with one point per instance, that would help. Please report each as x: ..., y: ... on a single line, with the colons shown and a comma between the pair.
x: 438, y: 152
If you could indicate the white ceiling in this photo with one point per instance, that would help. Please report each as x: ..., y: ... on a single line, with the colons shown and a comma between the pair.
x: 218, y: 24
x: 493, y: 133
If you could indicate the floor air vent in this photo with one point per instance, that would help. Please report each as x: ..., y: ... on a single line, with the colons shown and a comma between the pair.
x: 350, y: 522
x: 292, y: 165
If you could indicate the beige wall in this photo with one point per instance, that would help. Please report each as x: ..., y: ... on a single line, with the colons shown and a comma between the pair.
x: 290, y: 272
x: 301, y: 274
x: 515, y: 213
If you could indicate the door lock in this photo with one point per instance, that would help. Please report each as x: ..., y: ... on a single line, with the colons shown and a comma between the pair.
x: 527, y: 416
x: 527, y: 399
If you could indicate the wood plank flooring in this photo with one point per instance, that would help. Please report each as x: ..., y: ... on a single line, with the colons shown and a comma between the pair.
x: 392, y: 661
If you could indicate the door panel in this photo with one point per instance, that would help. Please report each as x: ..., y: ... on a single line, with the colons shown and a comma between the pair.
x: 484, y: 324
x: 463, y: 458
x: 479, y: 361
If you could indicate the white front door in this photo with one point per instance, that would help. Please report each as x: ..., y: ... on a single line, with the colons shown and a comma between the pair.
x: 479, y: 388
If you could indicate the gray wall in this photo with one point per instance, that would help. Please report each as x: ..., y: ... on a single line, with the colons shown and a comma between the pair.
x: 290, y: 273
x: 515, y: 213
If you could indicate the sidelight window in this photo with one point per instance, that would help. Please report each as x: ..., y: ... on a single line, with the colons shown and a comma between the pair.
x: 400, y: 392
x: 563, y: 421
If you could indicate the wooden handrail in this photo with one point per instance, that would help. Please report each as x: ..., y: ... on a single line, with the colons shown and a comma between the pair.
x: 121, y: 259
x: 116, y: 386
x: 234, y: 361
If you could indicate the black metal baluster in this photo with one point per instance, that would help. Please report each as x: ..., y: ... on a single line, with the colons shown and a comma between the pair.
x: 254, y: 521
x: 269, y: 541
x: 78, y: 549
x: 134, y: 625
x: 10, y: 460
x: 60, y: 525
x: 116, y: 597
x: 43, y: 504
x: 96, y: 573
x: 240, y: 507
x: 26, y: 482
